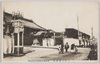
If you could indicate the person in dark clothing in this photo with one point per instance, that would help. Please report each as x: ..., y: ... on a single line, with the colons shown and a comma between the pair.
x: 66, y: 46
x: 92, y: 55
x: 72, y: 46
x: 92, y: 46
x: 62, y: 48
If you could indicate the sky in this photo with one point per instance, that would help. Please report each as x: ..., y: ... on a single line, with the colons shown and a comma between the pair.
x: 59, y: 15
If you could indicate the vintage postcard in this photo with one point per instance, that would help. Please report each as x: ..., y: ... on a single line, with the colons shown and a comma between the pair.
x: 50, y: 31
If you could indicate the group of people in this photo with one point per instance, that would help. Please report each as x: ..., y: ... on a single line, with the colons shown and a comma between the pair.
x: 73, y: 48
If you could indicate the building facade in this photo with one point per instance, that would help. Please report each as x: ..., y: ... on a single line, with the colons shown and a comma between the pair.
x: 77, y: 37
x: 18, y: 32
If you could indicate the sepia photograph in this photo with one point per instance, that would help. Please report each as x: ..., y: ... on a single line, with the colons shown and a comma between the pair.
x: 50, y: 31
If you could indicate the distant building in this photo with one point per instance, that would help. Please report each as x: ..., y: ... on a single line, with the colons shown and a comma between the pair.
x: 77, y: 37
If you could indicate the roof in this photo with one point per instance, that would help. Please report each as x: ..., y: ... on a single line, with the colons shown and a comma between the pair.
x: 58, y: 33
x: 27, y: 23
x: 77, y: 30
x: 39, y: 33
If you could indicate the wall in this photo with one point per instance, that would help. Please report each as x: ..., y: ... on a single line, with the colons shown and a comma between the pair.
x: 48, y: 42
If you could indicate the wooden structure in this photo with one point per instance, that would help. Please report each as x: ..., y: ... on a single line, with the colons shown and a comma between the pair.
x: 18, y: 37
x: 84, y: 39
x: 21, y: 28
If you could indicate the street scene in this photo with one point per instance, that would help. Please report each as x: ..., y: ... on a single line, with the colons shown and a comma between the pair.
x: 54, y: 55
x: 50, y: 31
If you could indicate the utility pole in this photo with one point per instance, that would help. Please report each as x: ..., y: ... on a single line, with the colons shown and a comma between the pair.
x: 78, y: 25
x: 92, y: 32
x: 92, y: 35
x: 79, y: 41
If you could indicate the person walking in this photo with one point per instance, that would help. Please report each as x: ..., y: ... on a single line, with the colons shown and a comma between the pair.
x: 62, y: 48
x: 66, y: 46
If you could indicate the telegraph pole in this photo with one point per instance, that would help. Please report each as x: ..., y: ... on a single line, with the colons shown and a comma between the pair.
x: 92, y: 35
x: 78, y: 31
x: 78, y: 25
x: 92, y: 32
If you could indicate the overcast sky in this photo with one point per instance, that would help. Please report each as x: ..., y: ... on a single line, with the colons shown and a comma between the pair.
x: 59, y: 15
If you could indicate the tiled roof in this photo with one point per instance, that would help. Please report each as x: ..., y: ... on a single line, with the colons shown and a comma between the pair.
x: 27, y: 23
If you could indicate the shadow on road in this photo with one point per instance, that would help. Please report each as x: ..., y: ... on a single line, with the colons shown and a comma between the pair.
x: 29, y: 51
x: 15, y: 55
x: 64, y: 56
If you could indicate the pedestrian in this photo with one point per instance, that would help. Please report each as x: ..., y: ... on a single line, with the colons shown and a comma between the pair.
x: 66, y: 46
x: 92, y: 46
x: 76, y: 50
x: 62, y: 48
x: 73, y: 48
x: 92, y: 54
x: 59, y: 49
